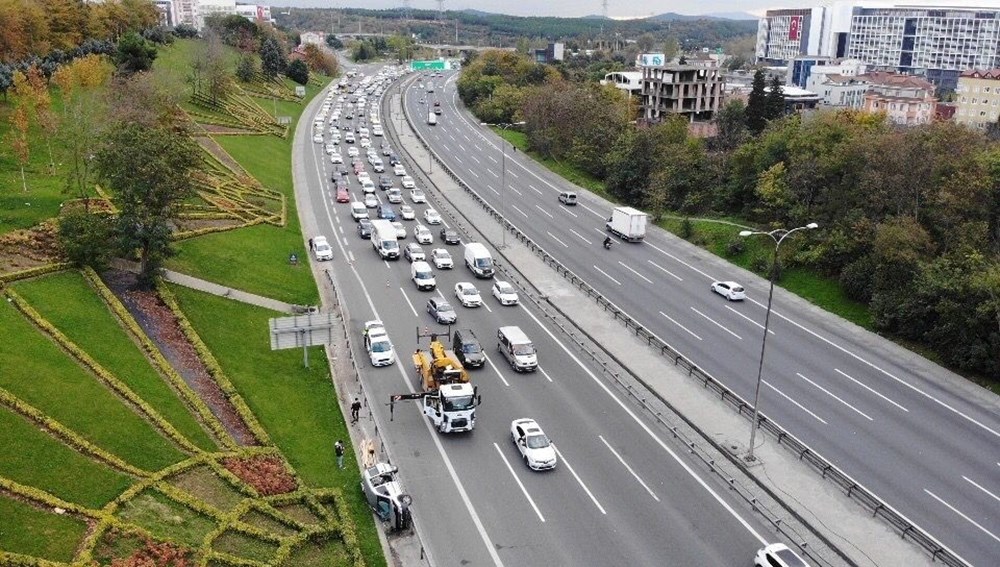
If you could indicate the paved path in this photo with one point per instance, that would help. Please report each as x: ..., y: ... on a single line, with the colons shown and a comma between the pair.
x: 223, y: 291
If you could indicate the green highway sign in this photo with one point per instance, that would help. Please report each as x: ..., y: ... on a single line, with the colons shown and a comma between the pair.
x: 437, y: 65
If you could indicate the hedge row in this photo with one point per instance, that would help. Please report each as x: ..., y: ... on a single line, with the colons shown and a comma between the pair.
x: 67, y: 435
x: 213, y: 367
x: 104, y: 375
x: 34, y: 272
x: 190, y: 398
x: 47, y: 499
x: 210, y: 229
x: 9, y: 559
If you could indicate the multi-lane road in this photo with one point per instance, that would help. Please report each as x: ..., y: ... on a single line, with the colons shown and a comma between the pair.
x: 924, y: 440
x: 623, y: 491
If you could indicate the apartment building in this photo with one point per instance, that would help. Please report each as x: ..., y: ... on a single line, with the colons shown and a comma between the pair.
x: 691, y: 90
x: 906, y: 99
x: 977, y: 98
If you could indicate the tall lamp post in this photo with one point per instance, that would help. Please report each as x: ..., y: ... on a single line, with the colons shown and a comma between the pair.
x: 778, y: 235
x: 503, y: 175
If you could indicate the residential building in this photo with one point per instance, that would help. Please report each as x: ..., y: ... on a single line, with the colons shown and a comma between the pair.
x: 207, y: 8
x: 977, y: 98
x: 839, y: 91
x: 906, y: 99
x: 315, y: 38
x: 187, y: 12
x: 802, y: 70
x: 691, y: 90
x: 928, y: 38
x: 553, y: 52
x: 168, y: 12
x: 628, y: 81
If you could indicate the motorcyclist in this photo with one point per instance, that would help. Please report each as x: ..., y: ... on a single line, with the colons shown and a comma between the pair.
x: 607, y: 242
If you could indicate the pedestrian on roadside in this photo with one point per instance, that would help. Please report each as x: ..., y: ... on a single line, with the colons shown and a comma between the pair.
x: 310, y: 243
x: 338, y: 448
x: 355, y: 411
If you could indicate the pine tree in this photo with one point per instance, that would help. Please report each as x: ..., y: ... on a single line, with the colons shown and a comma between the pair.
x: 756, y: 111
x: 272, y: 60
x: 775, y: 100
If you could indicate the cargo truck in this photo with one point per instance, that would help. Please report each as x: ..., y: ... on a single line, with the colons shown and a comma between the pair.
x: 627, y: 223
x: 384, y: 239
x: 432, y: 119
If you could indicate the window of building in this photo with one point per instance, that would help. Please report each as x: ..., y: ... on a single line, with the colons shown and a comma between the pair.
x: 986, y: 89
x: 974, y: 101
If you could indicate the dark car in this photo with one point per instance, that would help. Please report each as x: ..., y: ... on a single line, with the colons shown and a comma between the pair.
x: 365, y: 229
x: 384, y: 182
x: 394, y: 159
x: 341, y: 170
x: 437, y: 110
x: 467, y: 349
x: 449, y: 236
x: 441, y: 310
x: 386, y: 212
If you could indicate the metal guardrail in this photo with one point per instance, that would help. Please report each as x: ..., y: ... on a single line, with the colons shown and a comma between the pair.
x: 827, y: 470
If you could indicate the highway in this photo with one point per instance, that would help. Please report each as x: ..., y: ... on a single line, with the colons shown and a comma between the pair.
x: 926, y: 442
x: 622, y: 489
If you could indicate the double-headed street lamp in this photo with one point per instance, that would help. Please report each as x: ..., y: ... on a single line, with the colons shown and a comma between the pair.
x: 503, y: 175
x: 778, y: 235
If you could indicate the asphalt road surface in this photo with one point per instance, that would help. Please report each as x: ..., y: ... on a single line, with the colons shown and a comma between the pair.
x: 924, y: 440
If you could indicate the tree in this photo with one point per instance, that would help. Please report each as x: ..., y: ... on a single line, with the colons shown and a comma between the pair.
x: 756, y: 110
x: 403, y: 46
x: 333, y: 42
x: 83, y: 123
x: 246, y: 68
x: 135, y: 54
x: 320, y: 60
x: 272, y: 58
x: 147, y: 169
x: 185, y: 31
x: 298, y: 72
x: 671, y: 48
x: 775, y: 101
x: 731, y: 128
x: 87, y: 239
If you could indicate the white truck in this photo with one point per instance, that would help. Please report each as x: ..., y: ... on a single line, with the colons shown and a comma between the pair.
x: 478, y: 260
x: 432, y: 119
x: 627, y: 223
x: 384, y: 239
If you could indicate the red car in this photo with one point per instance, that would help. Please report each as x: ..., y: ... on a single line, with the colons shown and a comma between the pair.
x: 342, y: 195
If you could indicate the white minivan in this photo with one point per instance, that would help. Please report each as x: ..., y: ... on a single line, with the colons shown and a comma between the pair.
x: 479, y: 260
x: 517, y: 349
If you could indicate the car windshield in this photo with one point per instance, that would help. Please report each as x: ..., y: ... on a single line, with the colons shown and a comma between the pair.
x: 485, y: 263
x: 469, y: 291
x: 381, y: 346
x: 444, y: 307
x: 536, y: 441
x: 738, y: 289
x: 459, y: 403
x: 471, y: 348
x: 424, y: 275
x: 390, y: 245
x: 524, y: 349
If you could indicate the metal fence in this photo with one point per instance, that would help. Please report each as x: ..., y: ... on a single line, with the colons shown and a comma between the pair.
x: 848, y: 485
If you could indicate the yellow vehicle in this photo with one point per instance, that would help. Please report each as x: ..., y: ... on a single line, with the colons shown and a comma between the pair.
x: 438, y: 366
x: 447, y: 397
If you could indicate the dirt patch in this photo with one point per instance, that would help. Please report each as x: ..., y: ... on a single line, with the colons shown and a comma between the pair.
x: 184, y: 225
x: 159, y: 323
x: 29, y: 248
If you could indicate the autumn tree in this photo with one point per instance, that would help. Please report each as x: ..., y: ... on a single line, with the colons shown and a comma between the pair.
x: 320, y: 60
x: 147, y: 170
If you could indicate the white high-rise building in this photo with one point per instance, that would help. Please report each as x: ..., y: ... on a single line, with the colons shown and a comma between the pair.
x: 208, y: 8
x: 187, y: 12
x: 936, y: 39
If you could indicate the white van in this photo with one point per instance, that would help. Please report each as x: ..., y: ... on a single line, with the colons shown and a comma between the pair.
x: 384, y: 239
x: 517, y: 349
x: 422, y: 275
x: 359, y: 210
x: 478, y: 260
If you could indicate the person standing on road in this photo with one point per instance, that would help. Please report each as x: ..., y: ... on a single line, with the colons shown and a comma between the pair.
x: 355, y: 411
x: 338, y: 448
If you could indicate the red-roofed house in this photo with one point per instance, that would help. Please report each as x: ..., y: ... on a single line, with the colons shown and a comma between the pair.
x: 906, y: 99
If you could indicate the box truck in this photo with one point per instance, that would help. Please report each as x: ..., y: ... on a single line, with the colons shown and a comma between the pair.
x: 384, y: 239
x: 627, y: 223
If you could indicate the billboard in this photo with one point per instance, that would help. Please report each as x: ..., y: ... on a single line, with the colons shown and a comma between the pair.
x: 651, y: 60
x: 795, y: 27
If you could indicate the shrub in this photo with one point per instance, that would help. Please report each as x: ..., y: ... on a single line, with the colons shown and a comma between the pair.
x: 687, y: 228
x: 298, y: 72
x: 87, y: 239
x: 735, y: 246
x: 858, y: 279
x: 156, y: 554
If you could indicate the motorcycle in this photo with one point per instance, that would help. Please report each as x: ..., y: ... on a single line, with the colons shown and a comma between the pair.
x: 607, y: 244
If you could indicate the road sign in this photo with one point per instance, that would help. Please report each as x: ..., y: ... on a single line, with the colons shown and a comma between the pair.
x: 313, y: 329
x: 435, y: 65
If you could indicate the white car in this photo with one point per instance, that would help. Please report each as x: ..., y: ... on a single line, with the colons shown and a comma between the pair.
x: 417, y: 196
x: 330, y: 148
x: 366, y: 143
x: 395, y: 196
x: 422, y: 234
x: 730, y: 290
x: 353, y: 151
x: 370, y: 201
x: 400, y: 230
x: 432, y: 217
x: 321, y: 248
x: 336, y: 158
x: 406, y: 212
x: 442, y: 259
x: 536, y: 449
x: 349, y: 137
x: 414, y: 253
x: 407, y: 182
x: 377, y: 343
x: 777, y: 555
x: 505, y: 293
x: 318, y: 138
x: 468, y: 295
x: 367, y: 186
x: 359, y: 210
x: 399, y: 170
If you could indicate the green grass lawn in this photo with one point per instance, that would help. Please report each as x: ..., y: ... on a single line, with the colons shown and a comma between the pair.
x: 564, y: 169
x: 70, y: 304
x: 39, y: 533
x: 34, y: 458
x: 35, y: 370
x: 167, y: 518
x: 297, y: 406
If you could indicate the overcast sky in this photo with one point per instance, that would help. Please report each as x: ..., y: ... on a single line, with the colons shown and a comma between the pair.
x: 561, y: 8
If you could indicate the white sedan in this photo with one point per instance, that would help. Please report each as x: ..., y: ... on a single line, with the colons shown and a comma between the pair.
x: 377, y: 343
x: 468, y: 295
x: 442, y: 259
x: 778, y: 554
x: 352, y: 151
x: 407, y: 212
x: 422, y: 234
x: 730, y: 290
x: 407, y: 182
x: 371, y: 201
x: 417, y: 196
x: 336, y: 158
x: 505, y: 293
x: 318, y: 138
x: 400, y: 230
x: 432, y: 217
x: 536, y: 449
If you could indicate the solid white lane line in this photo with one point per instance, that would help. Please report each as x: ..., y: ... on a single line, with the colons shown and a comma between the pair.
x: 974, y: 483
x: 749, y: 319
x: 597, y: 214
x: 553, y: 237
x: 495, y: 174
x: 671, y: 319
x: 578, y: 235
x: 834, y: 396
x: 800, y: 406
x: 495, y: 369
x: 519, y: 210
x: 494, y: 159
x: 548, y: 214
x: 349, y: 254
x: 634, y: 272
x: 865, y: 386
x: 474, y: 157
x: 578, y: 479
x: 668, y: 254
x: 607, y: 275
x: 628, y: 468
x: 716, y: 323
x: 546, y: 374
x: 966, y: 518
x: 518, y: 481
x: 511, y: 187
x: 408, y: 302
x: 535, y: 189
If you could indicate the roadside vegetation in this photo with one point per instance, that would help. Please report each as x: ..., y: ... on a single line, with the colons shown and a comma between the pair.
x: 909, y: 239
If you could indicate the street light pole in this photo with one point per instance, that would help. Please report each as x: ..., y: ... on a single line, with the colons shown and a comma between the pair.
x: 778, y: 236
x: 504, y: 126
